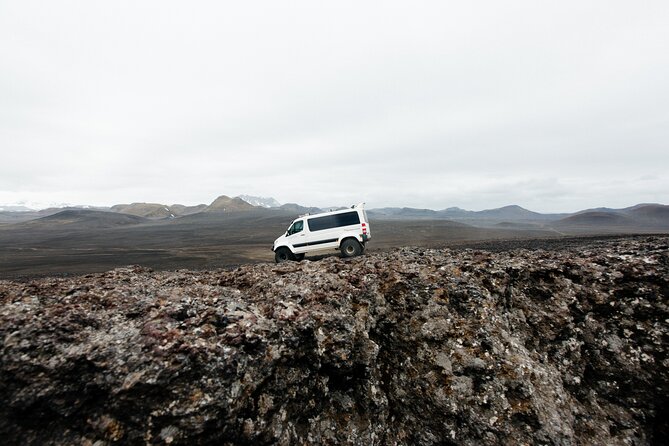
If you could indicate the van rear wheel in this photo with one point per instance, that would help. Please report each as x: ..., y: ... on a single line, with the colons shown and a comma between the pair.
x: 283, y: 255
x: 350, y: 248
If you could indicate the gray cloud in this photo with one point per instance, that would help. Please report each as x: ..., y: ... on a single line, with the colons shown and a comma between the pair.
x: 555, y: 107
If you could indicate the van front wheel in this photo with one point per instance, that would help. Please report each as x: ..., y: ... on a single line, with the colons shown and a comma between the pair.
x: 350, y: 248
x: 283, y: 255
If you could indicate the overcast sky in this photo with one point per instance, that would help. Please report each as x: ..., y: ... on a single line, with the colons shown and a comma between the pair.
x: 555, y: 106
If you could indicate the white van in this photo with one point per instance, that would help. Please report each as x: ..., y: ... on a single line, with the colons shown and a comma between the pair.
x: 346, y: 230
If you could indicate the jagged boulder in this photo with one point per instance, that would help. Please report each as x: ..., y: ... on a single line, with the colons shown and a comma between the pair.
x: 412, y: 346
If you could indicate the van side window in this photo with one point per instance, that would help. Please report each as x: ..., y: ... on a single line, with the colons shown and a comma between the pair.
x: 297, y: 227
x: 333, y: 221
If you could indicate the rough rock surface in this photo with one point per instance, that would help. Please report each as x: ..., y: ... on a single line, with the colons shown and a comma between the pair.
x: 413, y: 346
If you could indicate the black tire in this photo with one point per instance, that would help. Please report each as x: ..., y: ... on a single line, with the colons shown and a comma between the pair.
x: 299, y: 257
x: 350, y: 248
x: 283, y: 254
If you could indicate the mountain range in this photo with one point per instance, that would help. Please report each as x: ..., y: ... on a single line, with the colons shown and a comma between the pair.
x: 645, y: 216
x: 512, y: 212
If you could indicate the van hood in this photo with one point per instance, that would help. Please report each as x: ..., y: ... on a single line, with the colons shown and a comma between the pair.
x: 277, y: 241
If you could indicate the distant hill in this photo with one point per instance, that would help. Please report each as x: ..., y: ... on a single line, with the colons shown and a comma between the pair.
x: 9, y: 217
x: 23, y: 216
x: 456, y: 212
x: 596, y: 218
x: 652, y: 214
x: 403, y: 213
x: 157, y: 210
x: 86, y: 219
x: 297, y: 209
x: 642, y: 217
x: 180, y: 210
x: 227, y: 204
x: 513, y: 213
x: 148, y: 210
x: 55, y: 210
x: 641, y: 208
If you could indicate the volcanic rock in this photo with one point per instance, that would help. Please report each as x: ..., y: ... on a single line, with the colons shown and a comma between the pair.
x: 411, y: 346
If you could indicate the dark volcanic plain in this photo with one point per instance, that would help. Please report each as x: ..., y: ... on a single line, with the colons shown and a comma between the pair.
x: 77, y: 241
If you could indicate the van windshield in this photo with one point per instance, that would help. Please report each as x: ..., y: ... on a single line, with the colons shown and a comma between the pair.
x: 296, y: 227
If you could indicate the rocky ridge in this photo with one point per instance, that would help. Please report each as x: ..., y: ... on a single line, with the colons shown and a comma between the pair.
x: 412, y: 346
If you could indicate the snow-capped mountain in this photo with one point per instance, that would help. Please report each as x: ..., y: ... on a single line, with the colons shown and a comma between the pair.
x: 28, y: 206
x: 14, y: 208
x: 266, y: 202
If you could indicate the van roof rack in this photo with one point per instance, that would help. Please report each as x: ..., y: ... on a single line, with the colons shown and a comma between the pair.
x: 354, y: 206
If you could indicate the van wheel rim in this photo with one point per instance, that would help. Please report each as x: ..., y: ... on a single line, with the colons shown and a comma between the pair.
x: 350, y: 250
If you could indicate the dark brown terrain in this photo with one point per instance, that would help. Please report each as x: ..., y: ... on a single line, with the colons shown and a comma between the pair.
x: 412, y: 346
x: 231, y: 232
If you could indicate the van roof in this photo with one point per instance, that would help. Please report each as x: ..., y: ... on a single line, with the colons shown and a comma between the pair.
x: 337, y: 211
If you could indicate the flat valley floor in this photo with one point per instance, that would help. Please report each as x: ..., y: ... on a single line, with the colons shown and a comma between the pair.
x: 63, y: 247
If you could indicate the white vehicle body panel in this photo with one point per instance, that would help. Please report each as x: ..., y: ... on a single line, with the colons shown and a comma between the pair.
x: 325, y: 231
